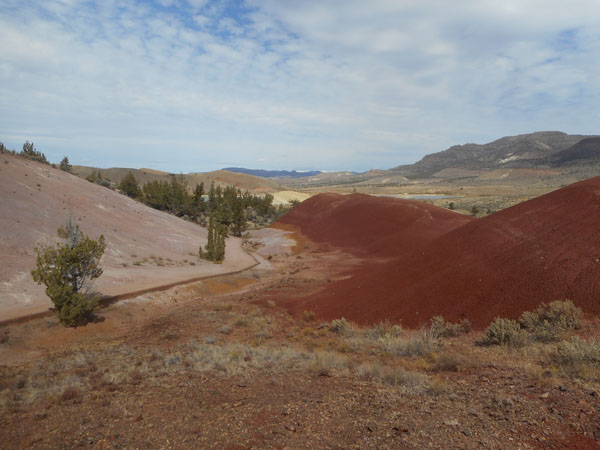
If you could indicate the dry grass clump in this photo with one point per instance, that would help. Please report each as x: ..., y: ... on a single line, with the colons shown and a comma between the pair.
x: 59, y: 379
x: 446, y: 362
x: 440, y: 328
x: 71, y: 393
x: 330, y: 360
x: 242, y: 322
x: 308, y: 316
x: 353, y: 344
x: 383, y: 329
x: 396, y: 376
x: 223, y: 306
x: 238, y: 358
x: 421, y: 345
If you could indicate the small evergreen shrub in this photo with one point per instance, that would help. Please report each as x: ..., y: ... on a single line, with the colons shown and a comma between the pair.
x: 65, y: 166
x: 503, y: 332
x: 340, y: 326
x: 383, y: 329
x: 579, y: 358
x: 551, y: 320
x: 67, y: 271
x: 440, y: 328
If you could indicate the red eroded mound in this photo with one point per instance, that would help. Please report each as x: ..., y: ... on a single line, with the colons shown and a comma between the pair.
x: 371, y: 226
x: 540, y: 250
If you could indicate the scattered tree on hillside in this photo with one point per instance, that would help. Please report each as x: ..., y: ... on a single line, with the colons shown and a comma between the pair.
x: 179, y: 199
x: 228, y: 206
x: 215, y: 245
x: 264, y: 205
x: 97, y: 177
x: 68, y: 270
x: 2, y: 148
x: 30, y: 152
x: 129, y: 186
x: 65, y: 166
x: 172, y: 196
x: 198, y: 204
x: 238, y: 217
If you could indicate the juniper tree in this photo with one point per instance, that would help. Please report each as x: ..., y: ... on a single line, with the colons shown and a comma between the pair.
x: 30, y: 152
x: 129, y: 186
x: 217, y: 232
x: 64, y: 165
x: 68, y: 270
x: 198, y: 200
x: 238, y: 220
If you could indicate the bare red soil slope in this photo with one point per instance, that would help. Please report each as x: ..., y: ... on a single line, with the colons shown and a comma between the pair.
x: 371, y: 226
x: 501, y: 265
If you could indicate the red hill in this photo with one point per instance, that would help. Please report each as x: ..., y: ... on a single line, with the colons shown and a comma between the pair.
x: 371, y: 226
x: 507, y: 263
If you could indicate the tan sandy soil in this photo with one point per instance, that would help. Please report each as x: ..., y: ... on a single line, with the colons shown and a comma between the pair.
x: 146, y: 248
x: 284, y: 197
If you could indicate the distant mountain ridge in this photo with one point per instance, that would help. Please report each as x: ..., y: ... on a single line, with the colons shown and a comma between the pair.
x: 534, y: 150
x: 220, y: 177
x: 586, y: 151
x: 273, y: 173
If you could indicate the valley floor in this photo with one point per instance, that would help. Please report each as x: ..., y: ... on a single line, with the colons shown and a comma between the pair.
x: 218, y: 364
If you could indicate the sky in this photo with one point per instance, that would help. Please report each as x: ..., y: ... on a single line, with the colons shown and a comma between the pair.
x: 197, y: 85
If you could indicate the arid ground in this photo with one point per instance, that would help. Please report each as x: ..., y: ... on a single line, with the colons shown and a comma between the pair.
x: 306, y: 337
x: 217, y: 364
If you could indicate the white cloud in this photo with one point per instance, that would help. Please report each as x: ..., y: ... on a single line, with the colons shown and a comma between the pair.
x: 313, y: 84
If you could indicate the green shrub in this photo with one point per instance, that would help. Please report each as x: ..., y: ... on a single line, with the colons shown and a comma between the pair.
x: 579, y: 358
x: 551, y: 320
x: 340, y: 326
x: 129, y: 186
x: 30, y: 152
x: 383, y: 329
x: 65, y: 166
x: 67, y: 271
x: 503, y: 332
x: 440, y: 328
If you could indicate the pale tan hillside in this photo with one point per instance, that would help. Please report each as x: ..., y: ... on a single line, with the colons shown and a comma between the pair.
x: 285, y: 197
x: 145, y: 247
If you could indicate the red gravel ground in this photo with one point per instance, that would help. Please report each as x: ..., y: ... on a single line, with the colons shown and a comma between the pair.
x: 509, y: 262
